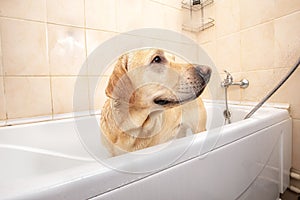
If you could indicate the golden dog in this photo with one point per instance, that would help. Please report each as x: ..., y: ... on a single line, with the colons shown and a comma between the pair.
x: 151, y: 101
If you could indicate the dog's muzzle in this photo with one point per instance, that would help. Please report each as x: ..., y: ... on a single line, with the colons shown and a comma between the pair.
x: 191, y: 85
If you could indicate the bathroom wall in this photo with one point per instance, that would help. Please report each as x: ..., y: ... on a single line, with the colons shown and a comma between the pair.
x: 44, y: 43
x: 260, y: 41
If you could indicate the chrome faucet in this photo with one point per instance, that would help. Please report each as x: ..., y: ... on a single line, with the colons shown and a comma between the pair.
x: 228, y: 81
x: 244, y: 83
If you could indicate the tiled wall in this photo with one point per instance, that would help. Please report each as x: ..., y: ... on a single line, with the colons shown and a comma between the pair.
x: 45, y: 42
x: 260, y: 41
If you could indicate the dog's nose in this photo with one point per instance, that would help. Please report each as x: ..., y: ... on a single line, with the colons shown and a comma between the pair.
x: 204, y: 72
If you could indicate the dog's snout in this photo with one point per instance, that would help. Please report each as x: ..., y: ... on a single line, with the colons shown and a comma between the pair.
x: 204, y: 72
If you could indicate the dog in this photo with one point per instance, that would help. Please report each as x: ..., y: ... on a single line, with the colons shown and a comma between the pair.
x: 152, y: 100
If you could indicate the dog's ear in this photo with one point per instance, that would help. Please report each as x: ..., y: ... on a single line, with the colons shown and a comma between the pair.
x: 119, y: 84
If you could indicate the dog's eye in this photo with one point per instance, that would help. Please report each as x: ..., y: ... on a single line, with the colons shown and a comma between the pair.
x: 157, y: 59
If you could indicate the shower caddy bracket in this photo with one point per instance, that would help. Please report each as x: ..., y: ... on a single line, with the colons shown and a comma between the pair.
x: 196, y: 6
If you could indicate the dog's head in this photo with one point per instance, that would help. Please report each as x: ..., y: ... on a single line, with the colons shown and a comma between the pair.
x: 149, y: 78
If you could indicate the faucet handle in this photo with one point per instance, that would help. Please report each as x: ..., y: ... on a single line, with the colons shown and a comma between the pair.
x: 228, y: 80
x: 227, y: 73
x: 228, y: 76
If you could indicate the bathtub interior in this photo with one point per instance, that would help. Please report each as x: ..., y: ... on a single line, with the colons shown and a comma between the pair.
x: 22, y: 163
x: 56, y: 148
x: 78, y: 139
x: 215, y: 117
x: 215, y: 123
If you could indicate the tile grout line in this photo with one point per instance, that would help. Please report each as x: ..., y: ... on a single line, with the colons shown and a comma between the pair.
x: 86, y: 28
x: 3, y: 80
x: 86, y: 58
x: 48, y: 62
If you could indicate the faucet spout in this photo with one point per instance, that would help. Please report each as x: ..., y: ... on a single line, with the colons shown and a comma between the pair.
x: 244, y: 83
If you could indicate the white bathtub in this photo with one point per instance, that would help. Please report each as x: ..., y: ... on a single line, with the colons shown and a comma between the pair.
x: 248, y: 159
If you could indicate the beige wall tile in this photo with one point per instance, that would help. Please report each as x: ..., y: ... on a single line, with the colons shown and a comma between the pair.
x: 256, y: 12
x: 30, y: 9
x: 213, y: 88
x: 68, y: 12
x: 210, y: 49
x: 69, y: 94
x: 66, y: 50
x: 287, y: 40
x: 172, y: 19
x: 260, y: 83
x: 109, y: 69
x: 208, y: 35
x: 284, y: 7
x: 234, y: 94
x: 2, y: 101
x: 153, y: 15
x: 94, y: 40
x: 228, y: 53
x: 257, y: 47
x: 288, y: 93
x: 206, y: 94
x: 24, y: 47
x: 170, y: 3
x: 213, y: 91
x: 227, y: 17
x: 296, y: 144
x: 1, y: 65
x: 97, y: 86
x: 27, y: 96
x: 129, y: 18
x: 281, y: 96
x: 101, y: 14
x: 189, y: 34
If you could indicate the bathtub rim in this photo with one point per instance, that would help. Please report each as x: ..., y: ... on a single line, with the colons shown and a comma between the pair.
x: 93, y: 168
x: 80, y: 173
x: 72, y: 115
